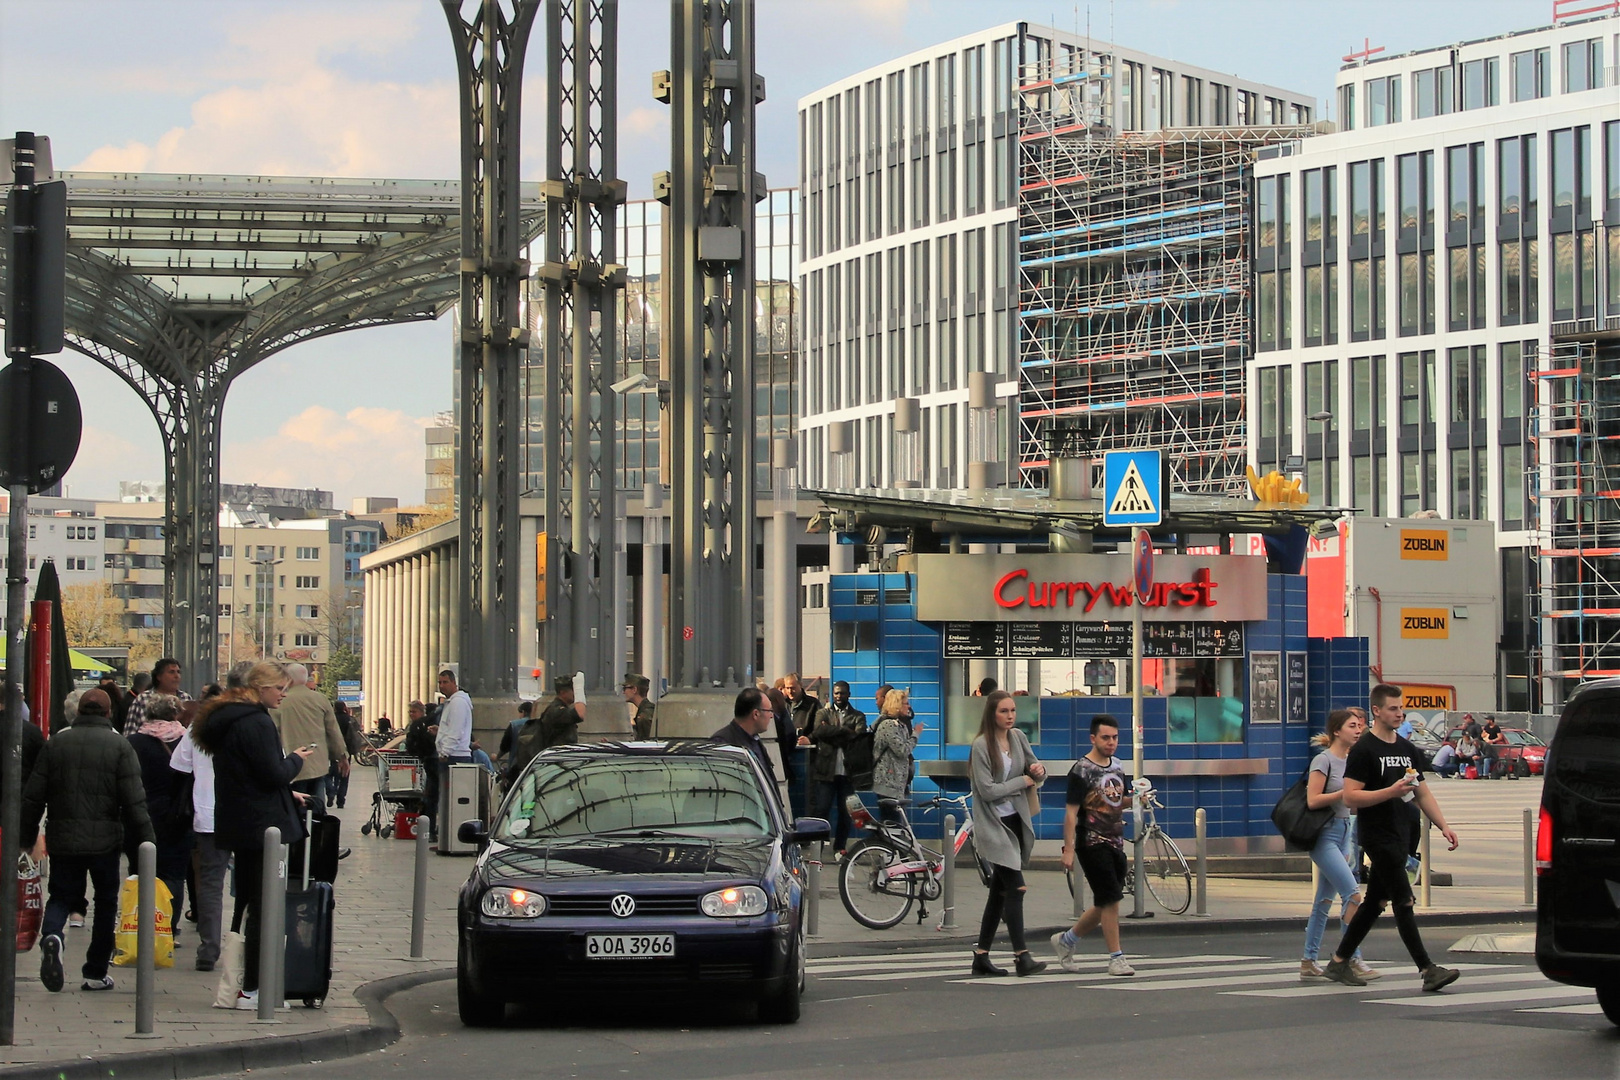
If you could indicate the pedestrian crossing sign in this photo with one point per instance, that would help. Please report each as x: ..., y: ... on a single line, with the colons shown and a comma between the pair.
x: 1133, y: 487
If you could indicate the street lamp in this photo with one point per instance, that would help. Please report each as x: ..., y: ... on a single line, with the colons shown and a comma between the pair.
x: 264, y: 563
x: 1324, y: 418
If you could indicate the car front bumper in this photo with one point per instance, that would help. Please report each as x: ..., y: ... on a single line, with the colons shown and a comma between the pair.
x: 516, y: 962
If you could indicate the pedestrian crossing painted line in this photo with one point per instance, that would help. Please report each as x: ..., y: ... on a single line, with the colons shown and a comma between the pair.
x: 1483, y: 985
x: 1591, y: 1008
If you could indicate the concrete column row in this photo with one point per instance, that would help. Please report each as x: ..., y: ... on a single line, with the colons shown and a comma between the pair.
x: 410, y: 630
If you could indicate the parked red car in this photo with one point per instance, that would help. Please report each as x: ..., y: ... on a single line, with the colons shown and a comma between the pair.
x: 1524, y: 754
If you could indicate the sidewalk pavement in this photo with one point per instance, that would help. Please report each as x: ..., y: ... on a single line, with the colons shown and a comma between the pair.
x: 82, y: 1034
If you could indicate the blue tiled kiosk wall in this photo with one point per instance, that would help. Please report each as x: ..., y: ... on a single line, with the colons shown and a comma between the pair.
x: 908, y: 654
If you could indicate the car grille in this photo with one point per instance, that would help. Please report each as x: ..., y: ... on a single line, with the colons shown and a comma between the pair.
x: 599, y: 905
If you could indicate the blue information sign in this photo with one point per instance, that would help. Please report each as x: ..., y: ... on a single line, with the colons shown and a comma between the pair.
x: 1133, y: 487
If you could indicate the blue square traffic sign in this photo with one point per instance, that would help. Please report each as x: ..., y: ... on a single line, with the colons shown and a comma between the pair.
x: 1133, y: 487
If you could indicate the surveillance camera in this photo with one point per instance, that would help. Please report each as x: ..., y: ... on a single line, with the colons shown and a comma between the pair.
x: 630, y: 384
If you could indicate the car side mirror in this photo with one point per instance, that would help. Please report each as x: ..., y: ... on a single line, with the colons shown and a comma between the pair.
x: 810, y: 830
x: 472, y: 832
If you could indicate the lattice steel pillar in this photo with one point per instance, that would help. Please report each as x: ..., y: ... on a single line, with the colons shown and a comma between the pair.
x: 708, y: 272
x: 578, y: 279
x: 490, y: 45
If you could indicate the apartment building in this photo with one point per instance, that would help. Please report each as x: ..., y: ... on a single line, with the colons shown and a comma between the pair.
x: 913, y: 209
x: 1437, y: 293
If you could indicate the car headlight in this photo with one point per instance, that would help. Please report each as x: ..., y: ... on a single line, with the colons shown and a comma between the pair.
x: 735, y: 903
x: 513, y: 904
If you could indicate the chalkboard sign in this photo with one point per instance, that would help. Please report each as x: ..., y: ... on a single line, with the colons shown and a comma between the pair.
x: 1265, y: 688
x: 1217, y: 639
x: 1040, y: 640
x: 975, y: 640
x: 1296, y: 688
x: 1102, y: 639
x: 1165, y: 640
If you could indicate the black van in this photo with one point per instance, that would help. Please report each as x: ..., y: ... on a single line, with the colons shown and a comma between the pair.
x: 1578, y: 848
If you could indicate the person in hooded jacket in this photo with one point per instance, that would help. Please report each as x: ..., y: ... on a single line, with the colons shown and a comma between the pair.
x: 166, y: 804
x: 253, y: 791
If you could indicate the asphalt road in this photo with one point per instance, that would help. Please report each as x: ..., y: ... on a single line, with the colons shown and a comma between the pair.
x: 1218, y: 1006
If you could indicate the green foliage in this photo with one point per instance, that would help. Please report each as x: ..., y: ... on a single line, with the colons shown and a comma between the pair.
x: 341, y: 665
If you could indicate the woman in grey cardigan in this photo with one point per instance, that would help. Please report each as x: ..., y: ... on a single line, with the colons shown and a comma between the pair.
x: 894, y: 738
x: 1005, y: 776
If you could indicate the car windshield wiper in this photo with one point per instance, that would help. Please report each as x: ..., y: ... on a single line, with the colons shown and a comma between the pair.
x: 640, y: 830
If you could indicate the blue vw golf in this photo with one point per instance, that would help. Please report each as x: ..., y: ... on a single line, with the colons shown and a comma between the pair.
x: 647, y: 866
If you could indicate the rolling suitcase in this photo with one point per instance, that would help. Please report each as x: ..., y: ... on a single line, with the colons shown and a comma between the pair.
x: 322, y: 856
x: 308, y: 963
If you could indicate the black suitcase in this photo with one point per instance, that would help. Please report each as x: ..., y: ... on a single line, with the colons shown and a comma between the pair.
x: 307, y: 967
x: 322, y: 849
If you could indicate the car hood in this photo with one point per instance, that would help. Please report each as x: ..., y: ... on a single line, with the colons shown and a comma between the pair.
x: 591, y: 859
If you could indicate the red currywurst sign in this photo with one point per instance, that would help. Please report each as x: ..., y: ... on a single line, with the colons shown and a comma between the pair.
x: 1015, y: 589
x: 1088, y: 588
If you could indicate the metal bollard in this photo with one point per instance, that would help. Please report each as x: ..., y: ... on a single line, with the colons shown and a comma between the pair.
x: 1139, y: 901
x: 1077, y: 891
x: 272, y: 926
x: 1201, y: 858
x: 1529, y: 858
x: 812, y: 893
x: 419, y: 895
x: 947, y: 886
x: 146, y: 944
x: 1425, y: 871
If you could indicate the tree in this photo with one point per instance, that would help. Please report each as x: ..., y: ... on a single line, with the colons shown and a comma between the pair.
x: 93, y: 615
x: 341, y: 665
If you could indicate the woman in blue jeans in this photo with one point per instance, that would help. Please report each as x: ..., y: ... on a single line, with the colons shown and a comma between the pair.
x: 1325, y: 788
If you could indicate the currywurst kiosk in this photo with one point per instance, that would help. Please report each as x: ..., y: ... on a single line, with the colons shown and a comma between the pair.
x: 1233, y: 686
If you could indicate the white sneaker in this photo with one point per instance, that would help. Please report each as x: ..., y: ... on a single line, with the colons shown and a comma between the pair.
x: 1065, y: 955
x: 247, y: 1001
x: 1359, y: 966
x: 76, y: 921
x: 1118, y: 965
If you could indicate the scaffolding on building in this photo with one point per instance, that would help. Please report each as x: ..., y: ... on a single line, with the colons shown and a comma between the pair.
x: 1134, y: 260
x: 1576, y: 439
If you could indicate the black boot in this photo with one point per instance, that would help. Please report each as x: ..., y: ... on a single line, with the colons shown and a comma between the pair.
x: 1026, y: 964
x: 983, y: 966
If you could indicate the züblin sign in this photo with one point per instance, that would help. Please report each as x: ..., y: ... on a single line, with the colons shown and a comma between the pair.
x: 1088, y: 588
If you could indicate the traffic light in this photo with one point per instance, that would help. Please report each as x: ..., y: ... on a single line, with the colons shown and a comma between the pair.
x: 36, y: 257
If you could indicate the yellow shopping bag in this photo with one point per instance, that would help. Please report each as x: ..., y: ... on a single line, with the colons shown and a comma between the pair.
x: 129, y: 925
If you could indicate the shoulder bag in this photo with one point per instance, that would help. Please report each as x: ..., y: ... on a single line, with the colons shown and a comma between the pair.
x: 1299, y: 825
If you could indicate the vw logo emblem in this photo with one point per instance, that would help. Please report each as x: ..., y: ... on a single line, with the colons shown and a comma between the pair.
x: 623, y: 905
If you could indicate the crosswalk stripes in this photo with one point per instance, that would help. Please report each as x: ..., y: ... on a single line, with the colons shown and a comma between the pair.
x: 1484, y: 986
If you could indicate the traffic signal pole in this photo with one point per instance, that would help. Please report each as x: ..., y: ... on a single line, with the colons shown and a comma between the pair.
x: 19, y: 342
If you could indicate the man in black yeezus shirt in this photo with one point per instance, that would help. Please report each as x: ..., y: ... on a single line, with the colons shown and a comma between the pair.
x: 1381, y: 774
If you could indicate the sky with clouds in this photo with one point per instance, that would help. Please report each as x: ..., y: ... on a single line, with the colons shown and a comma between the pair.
x: 367, y: 88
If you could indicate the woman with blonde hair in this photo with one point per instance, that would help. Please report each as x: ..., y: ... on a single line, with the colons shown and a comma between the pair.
x: 1324, y: 787
x: 1005, y: 773
x: 894, y: 738
x: 253, y: 791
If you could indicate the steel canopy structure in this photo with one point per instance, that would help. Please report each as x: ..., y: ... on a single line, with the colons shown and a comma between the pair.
x: 179, y: 283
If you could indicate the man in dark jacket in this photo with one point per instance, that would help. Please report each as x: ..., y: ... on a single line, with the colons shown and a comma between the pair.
x: 805, y: 706
x: 842, y: 762
x: 32, y: 740
x: 751, y: 716
x: 421, y: 734
x: 90, y: 780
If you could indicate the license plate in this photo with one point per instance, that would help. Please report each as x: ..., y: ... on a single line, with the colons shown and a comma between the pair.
x: 629, y: 946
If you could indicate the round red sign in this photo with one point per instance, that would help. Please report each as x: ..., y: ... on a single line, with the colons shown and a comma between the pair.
x: 1142, y: 563
x: 687, y: 634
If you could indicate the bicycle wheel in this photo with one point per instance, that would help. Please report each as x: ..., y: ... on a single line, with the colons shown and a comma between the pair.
x: 870, y: 902
x: 1168, y: 878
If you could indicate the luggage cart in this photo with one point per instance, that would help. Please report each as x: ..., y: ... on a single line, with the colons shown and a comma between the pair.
x: 399, y: 787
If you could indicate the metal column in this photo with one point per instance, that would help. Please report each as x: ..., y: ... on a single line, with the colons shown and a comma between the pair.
x: 708, y: 272
x: 490, y: 46
x: 578, y: 279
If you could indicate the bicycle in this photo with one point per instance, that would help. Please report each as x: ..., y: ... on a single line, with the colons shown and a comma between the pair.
x: 884, y: 875
x: 1169, y: 879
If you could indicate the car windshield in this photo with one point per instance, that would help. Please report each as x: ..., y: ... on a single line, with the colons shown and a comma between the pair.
x: 571, y: 796
x: 1586, y: 753
x: 1520, y: 738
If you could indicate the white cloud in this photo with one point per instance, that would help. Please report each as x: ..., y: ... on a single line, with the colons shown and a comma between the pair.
x: 288, y: 100
x: 366, y: 451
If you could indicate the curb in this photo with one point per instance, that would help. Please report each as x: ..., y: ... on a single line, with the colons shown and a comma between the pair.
x: 1182, y: 927
x: 262, y: 1053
